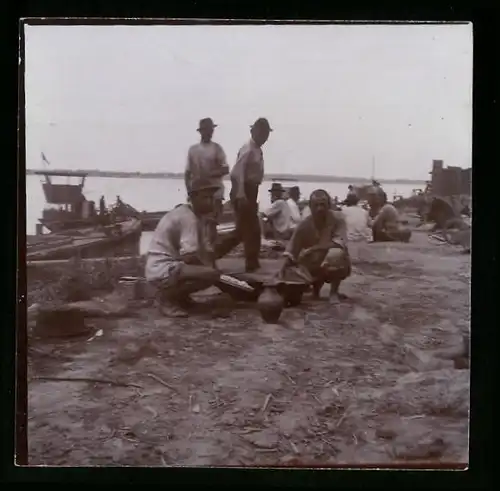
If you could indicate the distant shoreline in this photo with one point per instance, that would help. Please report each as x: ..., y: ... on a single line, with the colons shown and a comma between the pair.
x: 268, y: 177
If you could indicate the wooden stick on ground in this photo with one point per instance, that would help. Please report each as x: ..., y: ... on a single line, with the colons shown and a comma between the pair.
x: 162, y: 382
x: 266, y: 402
x: 88, y: 380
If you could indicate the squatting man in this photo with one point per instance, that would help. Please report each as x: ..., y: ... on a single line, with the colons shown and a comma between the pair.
x: 181, y: 258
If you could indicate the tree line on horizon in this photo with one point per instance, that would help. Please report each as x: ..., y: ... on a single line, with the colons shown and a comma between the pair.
x: 269, y: 177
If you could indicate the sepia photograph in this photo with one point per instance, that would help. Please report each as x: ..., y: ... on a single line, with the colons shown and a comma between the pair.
x: 248, y: 245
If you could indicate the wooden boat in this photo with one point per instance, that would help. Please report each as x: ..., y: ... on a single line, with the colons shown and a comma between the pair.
x: 66, y: 206
x: 118, y: 239
x: 76, y: 228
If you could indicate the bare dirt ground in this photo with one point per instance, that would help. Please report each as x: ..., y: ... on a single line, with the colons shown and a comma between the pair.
x: 353, y: 384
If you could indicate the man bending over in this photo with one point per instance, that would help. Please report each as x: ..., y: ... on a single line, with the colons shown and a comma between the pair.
x: 180, y: 260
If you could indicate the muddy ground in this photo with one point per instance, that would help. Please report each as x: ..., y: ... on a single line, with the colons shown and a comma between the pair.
x: 352, y: 384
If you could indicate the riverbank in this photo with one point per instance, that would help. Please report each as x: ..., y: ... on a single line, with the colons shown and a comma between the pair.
x: 361, y: 383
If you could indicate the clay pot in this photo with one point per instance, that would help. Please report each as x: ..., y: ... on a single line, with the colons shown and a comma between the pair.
x: 270, y: 304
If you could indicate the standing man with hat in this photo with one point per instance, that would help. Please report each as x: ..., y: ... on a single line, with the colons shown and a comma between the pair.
x: 180, y: 259
x: 246, y: 177
x: 279, y: 216
x: 207, y: 160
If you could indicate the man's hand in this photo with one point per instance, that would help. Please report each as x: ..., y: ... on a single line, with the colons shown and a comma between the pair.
x: 280, y: 274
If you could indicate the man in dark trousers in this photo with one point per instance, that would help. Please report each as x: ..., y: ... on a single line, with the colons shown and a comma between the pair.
x: 246, y: 177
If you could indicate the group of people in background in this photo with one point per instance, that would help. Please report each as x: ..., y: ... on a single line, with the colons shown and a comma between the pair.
x: 185, y: 246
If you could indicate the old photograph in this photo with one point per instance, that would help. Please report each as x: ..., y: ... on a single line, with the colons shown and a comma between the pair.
x: 248, y: 245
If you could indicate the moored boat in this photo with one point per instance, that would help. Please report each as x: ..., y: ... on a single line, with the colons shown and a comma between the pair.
x: 76, y: 228
x: 118, y: 239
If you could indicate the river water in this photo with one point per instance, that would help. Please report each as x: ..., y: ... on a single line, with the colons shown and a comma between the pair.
x: 162, y: 194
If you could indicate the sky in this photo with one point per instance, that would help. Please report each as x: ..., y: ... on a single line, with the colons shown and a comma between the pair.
x: 337, y: 96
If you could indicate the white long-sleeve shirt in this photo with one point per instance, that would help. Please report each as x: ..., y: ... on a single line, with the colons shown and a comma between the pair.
x: 295, y: 215
x: 280, y: 216
x: 357, y: 223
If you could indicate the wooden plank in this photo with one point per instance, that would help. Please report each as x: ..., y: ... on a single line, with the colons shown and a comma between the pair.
x: 62, y: 262
x: 235, y: 266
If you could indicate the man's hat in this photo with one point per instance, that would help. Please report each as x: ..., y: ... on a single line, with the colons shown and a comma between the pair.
x: 206, y: 123
x: 276, y: 187
x: 202, y: 184
x: 262, y: 123
x: 295, y: 188
x: 351, y: 199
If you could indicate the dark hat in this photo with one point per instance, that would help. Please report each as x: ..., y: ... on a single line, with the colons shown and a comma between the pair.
x: 351, y: 199
x: 262, y: 123
x: 202, y: 184
x: 276, y: 187
x: 295, y: 188
x: 206, y: 123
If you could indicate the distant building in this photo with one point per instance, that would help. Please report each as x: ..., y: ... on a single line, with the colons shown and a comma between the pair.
x: 451, y: 180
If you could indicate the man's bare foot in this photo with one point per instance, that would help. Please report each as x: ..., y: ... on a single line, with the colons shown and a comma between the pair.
x: 334, y: 299
x: 172, y: 310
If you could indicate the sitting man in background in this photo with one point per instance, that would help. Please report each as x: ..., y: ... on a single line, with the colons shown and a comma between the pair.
x: 180, y: 259
x: 277, y: 220
x: 357, y: 220
x: 293, y: 204
x: 386, y: 225
x: 318, y: 248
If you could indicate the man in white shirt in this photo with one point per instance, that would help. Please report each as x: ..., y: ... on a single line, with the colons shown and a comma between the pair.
x: 207, y: 160
x: 357, y: 220
x: 246, y: 177
x: 181, y: 257
x: 278, y: 217
x: 293, y: 204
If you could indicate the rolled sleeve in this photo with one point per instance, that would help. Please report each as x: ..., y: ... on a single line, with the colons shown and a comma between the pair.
x: 239, y: 170
x: 188, y: 242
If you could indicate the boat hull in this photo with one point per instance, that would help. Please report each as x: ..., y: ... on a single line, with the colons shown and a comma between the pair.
x: 66, y: 246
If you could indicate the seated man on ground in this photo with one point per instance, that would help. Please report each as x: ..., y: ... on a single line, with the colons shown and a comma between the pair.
x: 358, y: 222
x: 180, y: 260
x: 318, y: 248
x: 293, y: 203
x: 277, y: 220
x: 386, y: 225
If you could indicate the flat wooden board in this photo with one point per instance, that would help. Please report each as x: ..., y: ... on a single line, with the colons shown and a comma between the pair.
x: 235, y: 266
